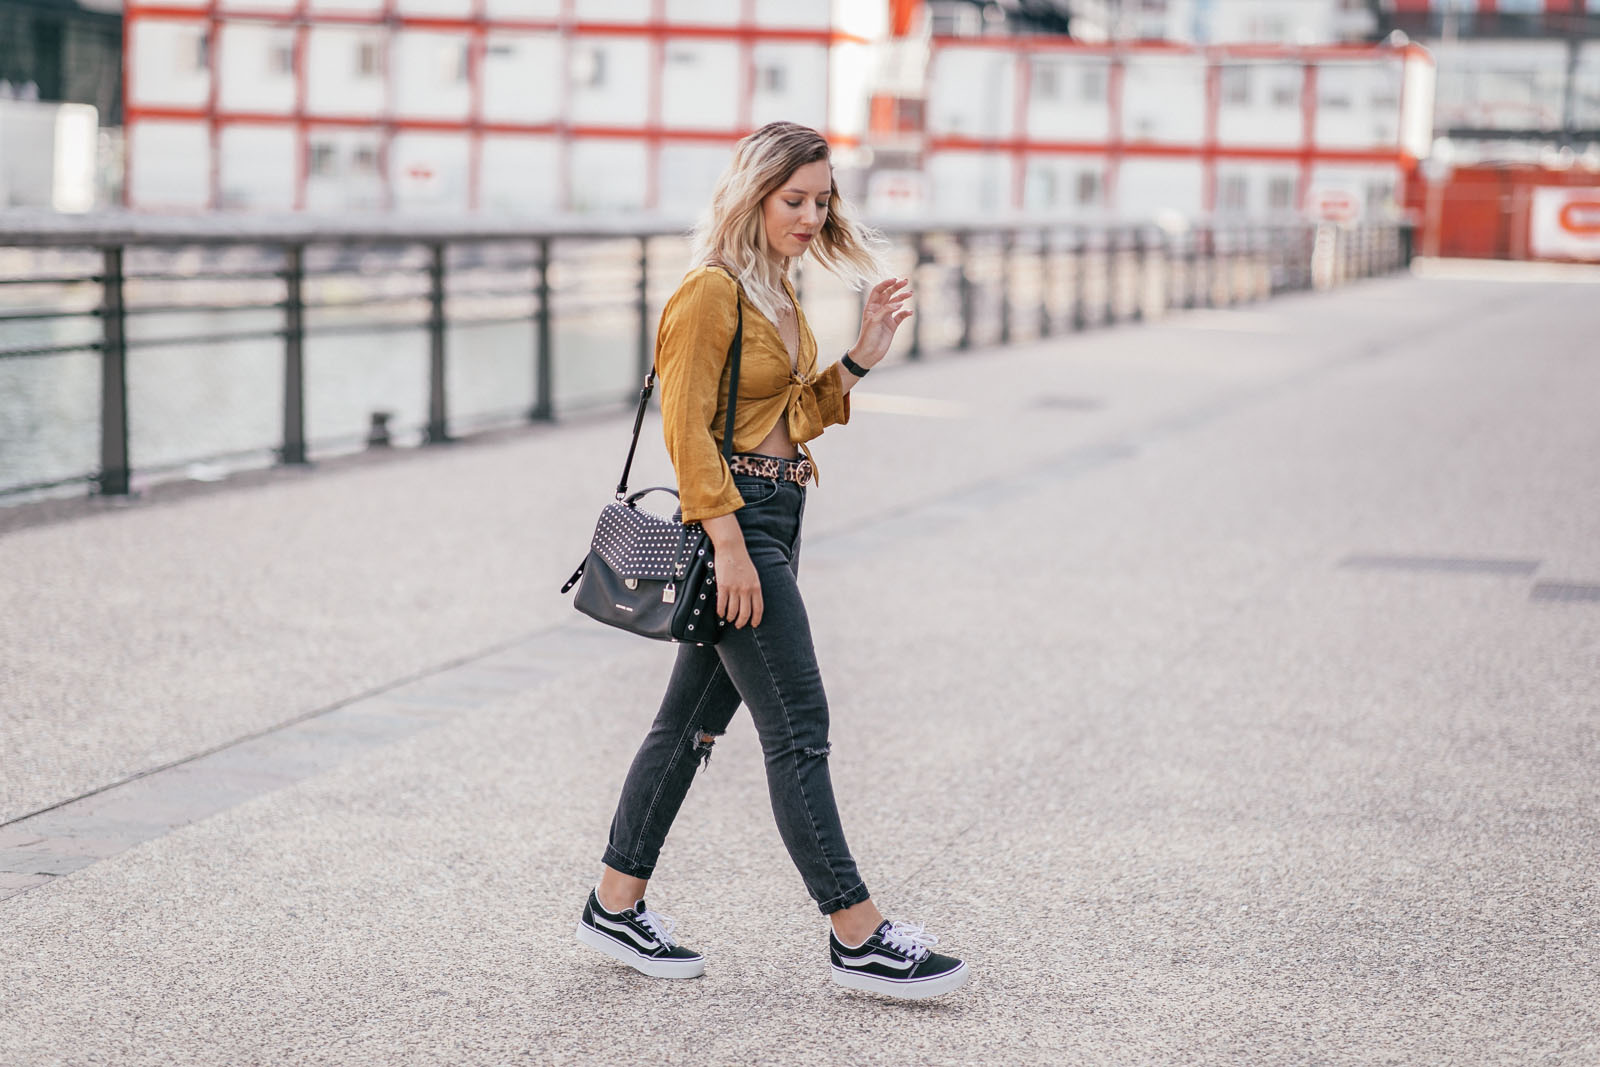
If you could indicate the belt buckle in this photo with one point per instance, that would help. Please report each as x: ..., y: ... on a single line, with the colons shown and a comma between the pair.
x: 803, y: 473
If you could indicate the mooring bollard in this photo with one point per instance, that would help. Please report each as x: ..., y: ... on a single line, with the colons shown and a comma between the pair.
x: 378, y: 431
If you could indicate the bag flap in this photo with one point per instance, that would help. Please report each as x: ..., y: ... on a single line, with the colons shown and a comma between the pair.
x: 637, y: 544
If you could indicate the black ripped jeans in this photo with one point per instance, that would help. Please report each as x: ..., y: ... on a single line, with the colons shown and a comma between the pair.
x: 773, y: 668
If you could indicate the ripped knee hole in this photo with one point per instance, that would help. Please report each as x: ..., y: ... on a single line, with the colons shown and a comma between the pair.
x: 704, y: 742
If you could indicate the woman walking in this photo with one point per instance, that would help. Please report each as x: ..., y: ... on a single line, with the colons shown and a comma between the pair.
x: 776, y: 202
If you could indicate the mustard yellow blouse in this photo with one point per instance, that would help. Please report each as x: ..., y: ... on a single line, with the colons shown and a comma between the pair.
x: 692, y: 362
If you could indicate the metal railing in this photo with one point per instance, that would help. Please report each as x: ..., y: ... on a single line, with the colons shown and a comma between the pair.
x: 985, y: 283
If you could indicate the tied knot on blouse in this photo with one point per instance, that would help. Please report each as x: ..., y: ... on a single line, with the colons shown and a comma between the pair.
x: 803, y: 408
x: 692, y: 350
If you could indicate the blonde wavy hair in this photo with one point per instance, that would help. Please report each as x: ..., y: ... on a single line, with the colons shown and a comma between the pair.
x: 731, y: 233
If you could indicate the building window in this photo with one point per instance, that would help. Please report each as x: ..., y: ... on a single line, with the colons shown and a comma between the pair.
x: 1046, y: 81
x: 1386, y: 93
x: 324, y: 161
x: 366, y: 160
x: 771, y: 79
x: 1088, y: 188
x: 369, y: 59
x: 1235, y: 85
x: 1334, y: 91
x: 1047, y: 187
x: 1285, y: 95
x: 1233, y: 193
x: 682, y: 57
x: 453, y: 62
x: 589, y: 67
x: 281, y: 60
x: 202, y: 52
x: 1379, y: 196
x: 1280, y: 194
x: 1093, y: 86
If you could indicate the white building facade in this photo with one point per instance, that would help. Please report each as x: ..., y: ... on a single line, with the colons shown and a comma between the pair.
x: 1300, y: 22
x: 1137, y: 130
x: 514, y: 107
x: 534, y: 107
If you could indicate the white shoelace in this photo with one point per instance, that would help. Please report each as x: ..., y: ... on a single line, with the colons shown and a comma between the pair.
x: 910, y: 938
x: 659, y: 925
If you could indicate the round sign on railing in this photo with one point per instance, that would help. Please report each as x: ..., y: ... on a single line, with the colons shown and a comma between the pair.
x: 1333, y: 205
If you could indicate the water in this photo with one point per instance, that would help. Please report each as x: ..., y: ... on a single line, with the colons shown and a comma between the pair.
x: 186, y: 402
x: 189, y: 403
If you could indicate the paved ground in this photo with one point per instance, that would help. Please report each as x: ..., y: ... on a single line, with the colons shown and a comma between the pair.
x: 1225, y: 691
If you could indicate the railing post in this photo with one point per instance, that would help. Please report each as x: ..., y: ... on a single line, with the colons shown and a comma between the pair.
x: 645, y: 358
x: 1275, y: 265
x: 1006, y: 239
x: 294, y: 359
x: 1308, y: 247
x: 543, y: 401
x: 1080, y: 269
x: 114, y: 475
x: 1141, y: 278
x: 920, y: 248
x: 964, y: 283
x: 1252, y: 258
x: 1191, y: 267
x: 1108, y: 261
x: 1046, y: 279
x: 1162, y: 256
x: 438, y: 418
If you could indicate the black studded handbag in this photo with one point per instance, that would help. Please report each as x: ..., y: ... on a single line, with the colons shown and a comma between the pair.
x: 652, y: 576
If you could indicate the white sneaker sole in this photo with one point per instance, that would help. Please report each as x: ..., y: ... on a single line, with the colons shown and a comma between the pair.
x: 643, y: 964
x: 904, y: 988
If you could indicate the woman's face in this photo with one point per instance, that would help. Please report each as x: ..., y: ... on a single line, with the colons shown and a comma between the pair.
x: 794, y: 212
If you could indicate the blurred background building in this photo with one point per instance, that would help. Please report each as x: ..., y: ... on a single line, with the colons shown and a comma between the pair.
x: 1343, y: 109
x: 516, y: 107
x: 1514, y: 171
x: 60, y: 102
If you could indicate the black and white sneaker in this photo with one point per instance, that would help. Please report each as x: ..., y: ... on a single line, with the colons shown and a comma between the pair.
x: 896, y: 960
x: 639, y: 937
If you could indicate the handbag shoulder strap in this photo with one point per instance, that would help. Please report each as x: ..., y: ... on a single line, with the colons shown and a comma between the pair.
x: 735, y: 349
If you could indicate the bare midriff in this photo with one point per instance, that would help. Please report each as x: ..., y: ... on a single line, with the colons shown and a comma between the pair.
x: 777, y: 442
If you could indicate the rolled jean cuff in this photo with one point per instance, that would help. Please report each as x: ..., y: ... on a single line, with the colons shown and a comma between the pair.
x: 623, y: 865
x: 848, y: 899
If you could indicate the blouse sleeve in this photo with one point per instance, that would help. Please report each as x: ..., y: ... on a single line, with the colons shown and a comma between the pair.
x: 829, y: 401
x: 691, y: 354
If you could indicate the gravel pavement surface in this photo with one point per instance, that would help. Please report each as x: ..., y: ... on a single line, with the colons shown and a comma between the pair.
x: 1225, y: 691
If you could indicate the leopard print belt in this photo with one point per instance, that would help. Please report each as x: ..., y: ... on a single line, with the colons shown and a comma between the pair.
x: 784, y: 470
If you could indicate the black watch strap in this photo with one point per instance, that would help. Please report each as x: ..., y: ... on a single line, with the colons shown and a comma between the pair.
x: 853, y: 367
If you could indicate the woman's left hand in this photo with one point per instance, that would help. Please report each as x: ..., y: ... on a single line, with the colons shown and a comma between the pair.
x: 882, y: 315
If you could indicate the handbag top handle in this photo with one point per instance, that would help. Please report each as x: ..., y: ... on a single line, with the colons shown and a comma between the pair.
x: 734, y: 351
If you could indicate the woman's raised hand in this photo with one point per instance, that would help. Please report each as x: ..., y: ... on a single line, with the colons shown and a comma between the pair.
x: 882, y: 315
